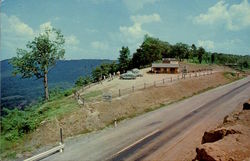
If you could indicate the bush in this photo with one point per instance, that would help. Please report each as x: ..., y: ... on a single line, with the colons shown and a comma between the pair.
x: 69, y: 92
x: 17, y: 122
x: 81, y: 81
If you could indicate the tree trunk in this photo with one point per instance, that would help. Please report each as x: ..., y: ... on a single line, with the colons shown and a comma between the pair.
x: 46, y: 88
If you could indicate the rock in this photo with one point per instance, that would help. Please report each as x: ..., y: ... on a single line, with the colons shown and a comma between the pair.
x: 80, y: 102
x: 246, y: 106
x: 202, y: 154
x: 43, y: 122
x: 216, y: 135
x: 19, y: 155
x: 27, y: 154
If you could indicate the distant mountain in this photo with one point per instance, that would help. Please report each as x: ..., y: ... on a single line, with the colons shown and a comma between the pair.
x: 17, y: 92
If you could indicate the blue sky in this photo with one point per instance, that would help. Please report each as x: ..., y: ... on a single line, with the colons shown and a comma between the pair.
x: 99, y: 28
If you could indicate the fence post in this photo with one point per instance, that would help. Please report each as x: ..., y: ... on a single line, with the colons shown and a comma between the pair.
x: 190, y: 75
x: 171, y: 79
x: 154, y: 83
x: 119, y: 92
x: 195, y: 74
x: 133, y: 88
x: 61, y: 139
x: 115, y: 123
x: 163, y: 81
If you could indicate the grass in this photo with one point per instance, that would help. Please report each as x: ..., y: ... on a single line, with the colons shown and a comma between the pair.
x: 92, y: 94
x: 17, y: 123
x: 58, y: 107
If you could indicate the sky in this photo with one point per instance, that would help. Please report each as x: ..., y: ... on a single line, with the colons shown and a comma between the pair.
x: 97, y: 29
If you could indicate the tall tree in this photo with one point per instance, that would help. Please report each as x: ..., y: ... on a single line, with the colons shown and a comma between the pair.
x: 124, y: 59
x: 180, y: 51
x: 213, y: 58
x: 43, y: 53
x: 193, y: 53
x: 200, y: 52
x: 97, y: 74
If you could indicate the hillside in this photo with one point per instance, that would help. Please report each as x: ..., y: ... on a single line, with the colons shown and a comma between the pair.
x: 17, y: 92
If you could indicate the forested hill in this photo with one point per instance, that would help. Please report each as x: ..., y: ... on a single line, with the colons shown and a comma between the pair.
x: 17, y: 92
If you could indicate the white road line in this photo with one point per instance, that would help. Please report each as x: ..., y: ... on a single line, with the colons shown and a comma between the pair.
x: 150, y: 134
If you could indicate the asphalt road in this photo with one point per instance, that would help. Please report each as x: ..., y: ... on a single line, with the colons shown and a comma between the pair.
x: 169, y: 133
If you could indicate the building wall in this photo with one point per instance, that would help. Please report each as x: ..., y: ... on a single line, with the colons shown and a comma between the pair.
x: 165, y: 70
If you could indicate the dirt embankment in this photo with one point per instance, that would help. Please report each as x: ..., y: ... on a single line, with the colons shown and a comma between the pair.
x: 230, y: 141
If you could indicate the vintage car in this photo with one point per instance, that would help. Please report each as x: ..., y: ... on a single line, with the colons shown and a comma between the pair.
x: 128, y: 75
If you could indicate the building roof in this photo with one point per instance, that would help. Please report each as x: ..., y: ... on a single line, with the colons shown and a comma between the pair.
x: 165, y: 65
x: 170, y: 59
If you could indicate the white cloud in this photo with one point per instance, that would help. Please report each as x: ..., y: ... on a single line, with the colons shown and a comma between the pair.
x: 136, y: 31
x: 71, y: 40
x: 12, y: 24
x: 15, y: 34
x: 134, y: 5
x: 141, y: 19
x: 235, y: 17
x: 207, y: 44
x: 98, y: 45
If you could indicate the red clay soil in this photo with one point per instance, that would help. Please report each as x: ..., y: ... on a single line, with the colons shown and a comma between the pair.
x: 229, y: 142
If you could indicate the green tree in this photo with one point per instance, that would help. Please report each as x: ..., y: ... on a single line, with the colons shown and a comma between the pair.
x: 206, y: 57
x: 44, y: 51
x: 193, y: 52
x: 113, y: 67
x: 180, y: 51
x: 81, y: 81
x: 200, y: 52
x: 152, y: 49
x: 105, y: 67
x: 124, y: 59
x: 213, y: 58
x: 97, y: 74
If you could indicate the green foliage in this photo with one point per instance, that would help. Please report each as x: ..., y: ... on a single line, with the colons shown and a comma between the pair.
x: 200, y: 52
x: 82, y: 81
x: 17, y: 122
x: 124, y: 59
x: 212, y: 58
x: 43, y: 53
x: 97, y: 74
x: 151, y: 50
x: 181, y: 51
x: 103, y: 70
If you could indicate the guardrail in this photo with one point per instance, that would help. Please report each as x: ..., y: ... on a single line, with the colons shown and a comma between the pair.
x: 47, y: 153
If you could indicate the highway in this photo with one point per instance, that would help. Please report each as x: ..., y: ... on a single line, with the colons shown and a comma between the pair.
x: 169, y: 133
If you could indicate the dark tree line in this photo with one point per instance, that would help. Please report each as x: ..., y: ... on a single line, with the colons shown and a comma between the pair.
x: 153, y: 50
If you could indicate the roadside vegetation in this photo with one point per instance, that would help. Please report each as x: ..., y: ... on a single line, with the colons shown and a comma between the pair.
x: 15, y: 124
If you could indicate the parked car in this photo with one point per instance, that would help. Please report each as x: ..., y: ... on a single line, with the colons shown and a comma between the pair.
x: 137, y: 72
x: 128, y: 75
